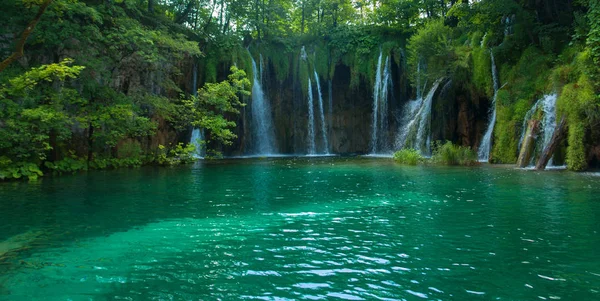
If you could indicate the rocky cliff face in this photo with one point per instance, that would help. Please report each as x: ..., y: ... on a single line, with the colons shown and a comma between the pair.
x: 458, y: 114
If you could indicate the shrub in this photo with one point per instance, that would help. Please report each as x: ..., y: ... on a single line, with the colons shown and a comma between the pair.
x: 408, y: 157
x: 179, y: 154
x: 16, y: 170
x: 450, y: 154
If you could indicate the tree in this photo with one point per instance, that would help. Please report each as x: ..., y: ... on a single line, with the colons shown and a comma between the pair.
x: 20, y: 46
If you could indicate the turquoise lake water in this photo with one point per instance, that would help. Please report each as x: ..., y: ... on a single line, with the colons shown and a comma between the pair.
x: 302, y: 229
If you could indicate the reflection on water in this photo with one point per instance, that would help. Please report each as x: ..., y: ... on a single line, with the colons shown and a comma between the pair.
x: 293, y: 228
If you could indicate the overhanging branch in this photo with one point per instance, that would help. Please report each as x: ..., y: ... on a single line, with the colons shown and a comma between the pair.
x: 19, y: 49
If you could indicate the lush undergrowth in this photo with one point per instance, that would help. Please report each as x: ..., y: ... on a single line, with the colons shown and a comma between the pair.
x: 451, y: 154
x: 408, y: 157
x: 443, y: 154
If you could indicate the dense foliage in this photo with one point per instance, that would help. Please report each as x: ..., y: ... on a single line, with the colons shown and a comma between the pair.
x: 113, y: 83
x: 408, y: 157
x: 450, y: 154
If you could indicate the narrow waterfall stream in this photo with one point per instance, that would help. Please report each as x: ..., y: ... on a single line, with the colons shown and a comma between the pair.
x: 486, y: 143
x: 262, y: 123
x: 312, y: 146
x: 197, y: 133
x: 380, y: 123
x: 322, y: 116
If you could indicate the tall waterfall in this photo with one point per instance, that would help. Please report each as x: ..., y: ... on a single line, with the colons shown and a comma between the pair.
x: 312, y: 148
x: 262, y: 123
x: 380, y: 125
x: 415, y: 131
x: 322, y: 116
x: 486, y: 144
x: 197, y: 133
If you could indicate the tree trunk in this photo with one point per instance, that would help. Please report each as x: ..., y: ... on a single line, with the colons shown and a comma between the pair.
x: 19, y: 49
x: 151, y: 6
x: 528, y: 143
x: 557, y: 137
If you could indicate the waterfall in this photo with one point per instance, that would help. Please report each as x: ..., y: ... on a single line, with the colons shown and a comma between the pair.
x: 528, y: 117
x: 549, y: 120
x: 415, y: 131
x: 322, y: 116
x: 197, y: 133
x: 548, y: 125
x: 312, y: 149
x: 486, y: 144
x: 196, y: 140
x: 262, y: 123
x: 379, y: 127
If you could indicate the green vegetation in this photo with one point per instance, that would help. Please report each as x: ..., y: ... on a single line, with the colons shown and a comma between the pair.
x: 450, y: 154
x: 103, y: 84
x: 443, y: 154
x: 408, y: 157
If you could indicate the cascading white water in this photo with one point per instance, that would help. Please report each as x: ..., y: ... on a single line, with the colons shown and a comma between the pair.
x: 416, y: 123
x: 382, y: 86
x: 548, y: 105
x: 486, y: 143
x: 528, y: 117
x: 482, y: 44
x: 375, y: 121
x: 312, y: 148
x: 197, y: 134
x: 262, y: 123
x: 322, y: 116
x: 196, y: 140
x: 549, y: 120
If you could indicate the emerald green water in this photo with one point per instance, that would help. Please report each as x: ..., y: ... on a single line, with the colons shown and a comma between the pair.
x: 290, y: 229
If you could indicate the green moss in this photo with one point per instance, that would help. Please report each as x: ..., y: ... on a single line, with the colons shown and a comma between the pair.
x: 476, y: 39
x: 241, y: 57
x: 321, y: 60
x: 303, y: 74
x: 505, y: 136
x: 576, y: 150
x: 580, y: 104
x: 482, y: 70
x: 528, y: 79
x: 509, y: 120
x: 279, y: 56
